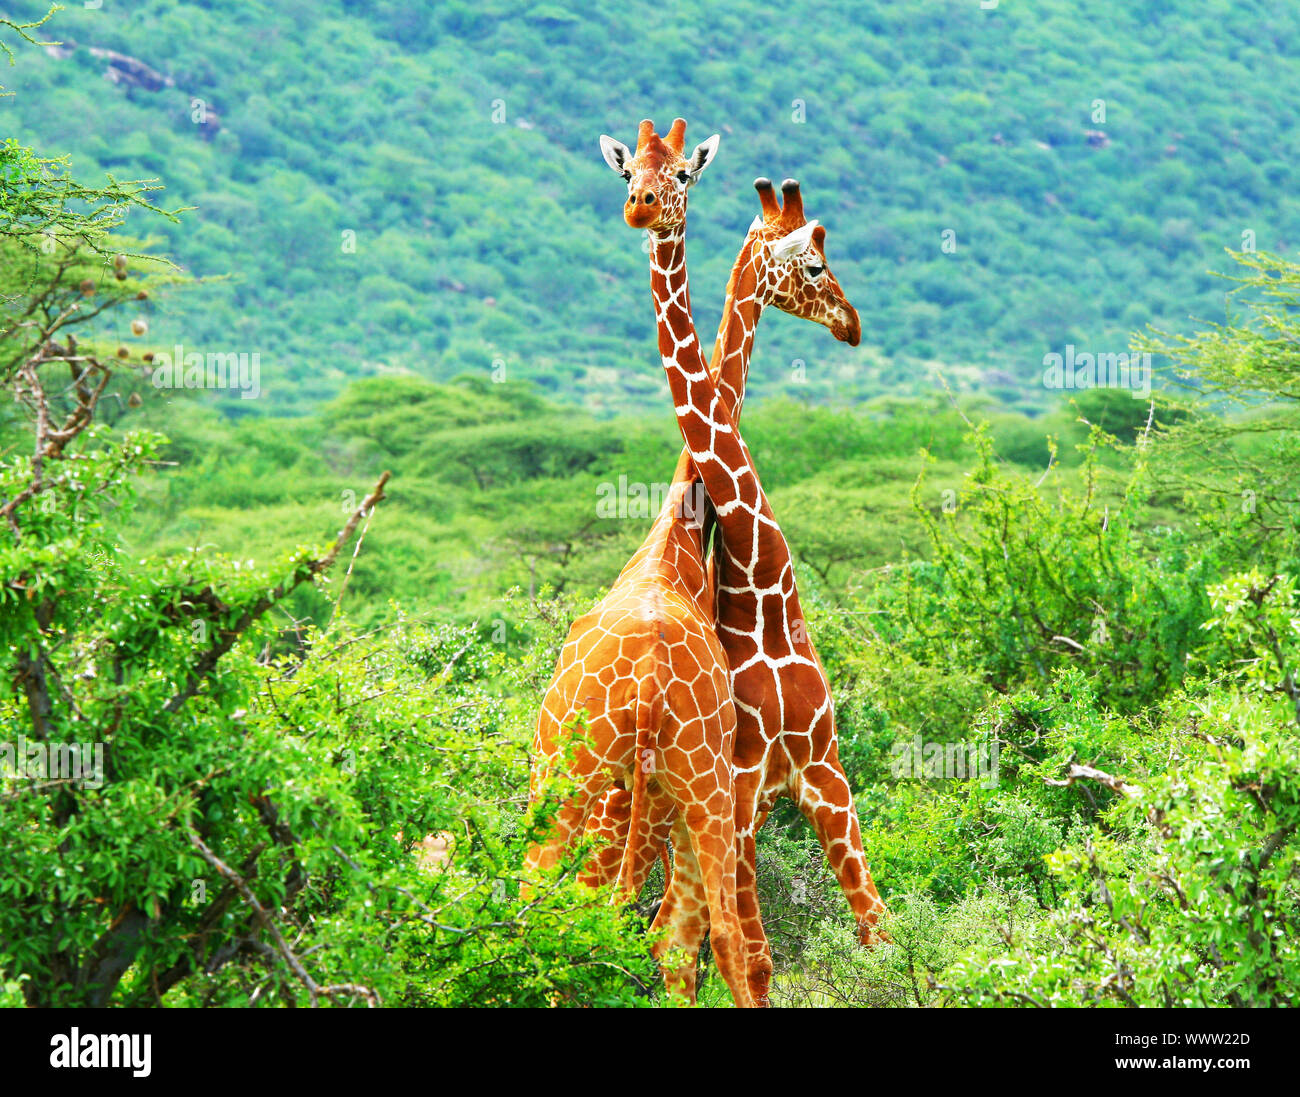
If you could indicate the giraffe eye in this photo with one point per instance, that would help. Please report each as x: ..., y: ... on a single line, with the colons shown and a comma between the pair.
x: 814, y: 271
x: 683, y: 177
x: 628, y: 176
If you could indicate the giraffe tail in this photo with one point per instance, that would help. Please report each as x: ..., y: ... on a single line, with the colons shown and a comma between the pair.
x: 649, y: 714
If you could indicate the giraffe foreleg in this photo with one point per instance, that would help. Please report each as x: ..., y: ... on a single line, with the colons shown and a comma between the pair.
x: 826, y: 800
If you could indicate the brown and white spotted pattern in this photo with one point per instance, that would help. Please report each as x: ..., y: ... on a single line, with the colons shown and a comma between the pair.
x: 647, y: 669
x: 786, y: 741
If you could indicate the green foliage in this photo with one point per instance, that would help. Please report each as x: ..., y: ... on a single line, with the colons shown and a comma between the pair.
x: 41, y: 206
x: 487, y: 228
x: 316, y: 794
x: 1021, y: 584
x: 927, y: 942
x: 1185, y: 896
x: 22, y: 31
x: 1237, y: 474
x: 1258, y: 625
x: 357, y: 754
x: 1255, y: 352
x: 1137, y: 843
x: 217, y: 807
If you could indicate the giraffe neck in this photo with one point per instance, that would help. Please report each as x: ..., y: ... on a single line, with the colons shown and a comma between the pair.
x: 674, y: 550
x: 755, y: 551
x: 740, y: 314
x: 672, y: 297
x: 729, y: 364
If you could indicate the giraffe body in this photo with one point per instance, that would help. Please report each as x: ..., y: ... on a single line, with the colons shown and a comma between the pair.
x: 785, y: 738
x: 786, y: 743
x: 647, y: 669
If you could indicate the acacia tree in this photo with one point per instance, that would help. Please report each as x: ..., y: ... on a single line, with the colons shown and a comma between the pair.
x: 1238, y: 472
x: 105, y: 663
x: 195, y: 810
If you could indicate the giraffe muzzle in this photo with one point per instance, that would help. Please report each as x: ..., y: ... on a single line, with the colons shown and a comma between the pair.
x: 641, y: 209
x: 848, y: 328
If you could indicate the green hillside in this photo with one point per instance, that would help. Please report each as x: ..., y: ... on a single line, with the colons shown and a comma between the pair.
x: 493, y: 489
x: 1092, y: 161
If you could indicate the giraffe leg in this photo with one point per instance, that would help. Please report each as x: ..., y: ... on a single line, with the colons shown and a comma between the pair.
x: 758, y: 954
x: 687, y: 919
x: 609, y: 824
x: 660, y: 812
x: 690, y: 909
x: 568, y: 822
x: 684, y: 918
x: 826, y: 801
x: 712, y: 840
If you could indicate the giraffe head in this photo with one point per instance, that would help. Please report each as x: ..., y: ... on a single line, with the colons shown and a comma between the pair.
x: 658, y: 174
x: 789, y: 254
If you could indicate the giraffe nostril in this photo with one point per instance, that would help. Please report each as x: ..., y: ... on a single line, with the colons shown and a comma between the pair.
x: 649, y: 198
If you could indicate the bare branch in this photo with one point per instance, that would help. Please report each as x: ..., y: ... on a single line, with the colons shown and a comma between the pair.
x: 228, y: 637
x: 1078, y: 772
x: 314, y: 990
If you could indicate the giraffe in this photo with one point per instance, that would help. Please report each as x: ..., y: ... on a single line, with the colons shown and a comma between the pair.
x: 774, y: 280
x: 786, y: 742
x: 647, y: 669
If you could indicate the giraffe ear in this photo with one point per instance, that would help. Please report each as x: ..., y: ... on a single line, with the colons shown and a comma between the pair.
x: 793, y: 243
x: 702, y: 156
x: 616, y: 153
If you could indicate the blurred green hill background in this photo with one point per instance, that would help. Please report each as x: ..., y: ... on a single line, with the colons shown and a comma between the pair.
x: 411, y: 188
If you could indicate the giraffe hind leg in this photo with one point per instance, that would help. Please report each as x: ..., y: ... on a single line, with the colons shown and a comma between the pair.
x: 610, y: 823
x: 758, y: 954
x: 749, y: 818
x: 683, y: 919
x: 568, y: 822
x: 689, y: 920
x: 712, y: 841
